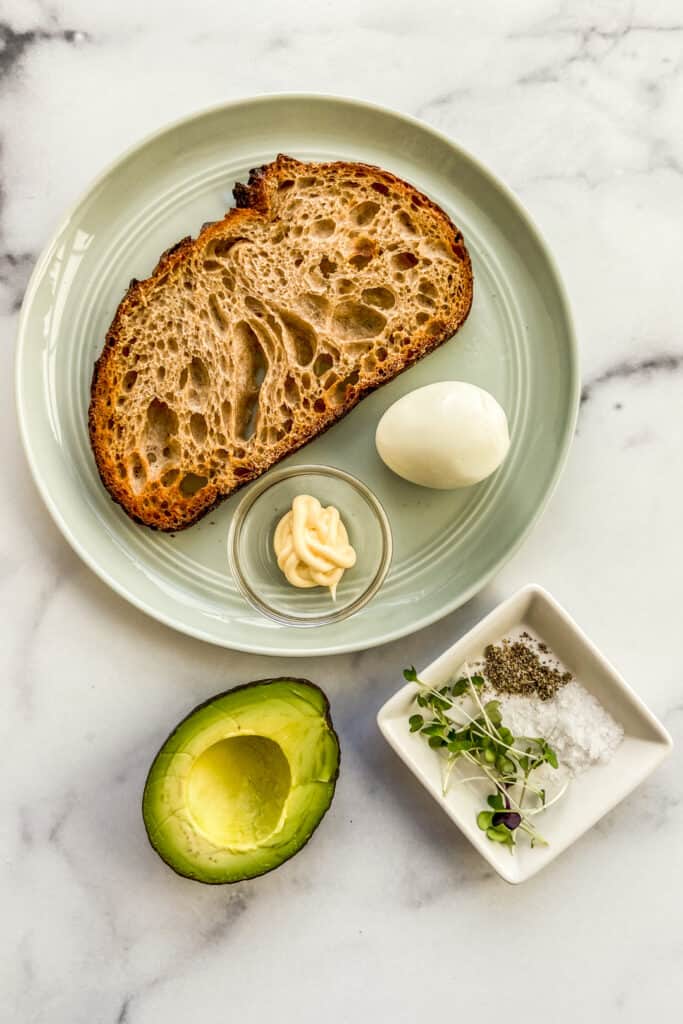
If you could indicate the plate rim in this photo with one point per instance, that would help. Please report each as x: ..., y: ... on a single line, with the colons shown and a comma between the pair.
x: 177, y: 623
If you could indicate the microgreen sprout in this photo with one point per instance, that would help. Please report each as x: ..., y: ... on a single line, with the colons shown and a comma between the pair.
x: 481, y: 739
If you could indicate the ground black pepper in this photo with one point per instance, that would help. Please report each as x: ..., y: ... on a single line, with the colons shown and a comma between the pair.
x: 514, y: 666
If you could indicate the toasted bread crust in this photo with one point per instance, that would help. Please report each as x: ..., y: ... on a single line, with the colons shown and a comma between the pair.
x: 171, y: 510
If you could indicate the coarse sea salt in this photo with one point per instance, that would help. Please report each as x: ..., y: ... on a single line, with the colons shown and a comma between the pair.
x: 574, y: 723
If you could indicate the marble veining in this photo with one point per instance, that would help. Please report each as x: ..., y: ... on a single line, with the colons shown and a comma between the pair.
x: 14, y: 45
x: 388, y: 913
x: 15, y: 270
x: 643, y: 368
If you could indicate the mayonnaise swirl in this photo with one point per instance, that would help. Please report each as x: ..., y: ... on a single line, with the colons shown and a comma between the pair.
x: 312, y: 546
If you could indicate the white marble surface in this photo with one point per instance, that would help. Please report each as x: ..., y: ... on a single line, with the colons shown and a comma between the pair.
x: 388, y: 914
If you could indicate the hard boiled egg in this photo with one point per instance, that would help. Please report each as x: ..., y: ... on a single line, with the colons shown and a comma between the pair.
x: 445, y: 435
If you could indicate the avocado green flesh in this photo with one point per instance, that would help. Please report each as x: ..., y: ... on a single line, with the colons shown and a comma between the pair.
x: 243, y: 781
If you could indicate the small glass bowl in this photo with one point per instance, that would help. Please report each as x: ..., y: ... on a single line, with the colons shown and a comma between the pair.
x: 252, y: 558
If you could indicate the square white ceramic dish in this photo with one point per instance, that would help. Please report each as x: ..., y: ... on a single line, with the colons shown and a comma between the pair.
x: 645, y: 744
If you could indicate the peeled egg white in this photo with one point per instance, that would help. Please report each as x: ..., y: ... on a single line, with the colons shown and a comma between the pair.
x: 444, y: 435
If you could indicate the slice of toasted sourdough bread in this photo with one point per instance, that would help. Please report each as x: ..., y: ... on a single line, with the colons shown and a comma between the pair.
x: 325, y: 282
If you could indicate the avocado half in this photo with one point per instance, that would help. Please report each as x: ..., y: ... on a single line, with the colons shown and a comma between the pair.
x: 243, y: 782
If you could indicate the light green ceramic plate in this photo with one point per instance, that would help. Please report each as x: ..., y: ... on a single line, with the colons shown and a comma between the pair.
x: 518, y: 343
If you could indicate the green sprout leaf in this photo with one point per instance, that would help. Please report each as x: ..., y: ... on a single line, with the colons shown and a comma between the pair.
x: 457, y: 746
x: 551, y: 756
x: 410, y: 674
x: 500, y: 834
x: 439, y: 704
x: 416, y: 722
x: 484, y: 820
x: 504, y: 765
x: 494, y: 714
x: 435, y: 729
x: 496, y: 802
x: 460, y: 687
